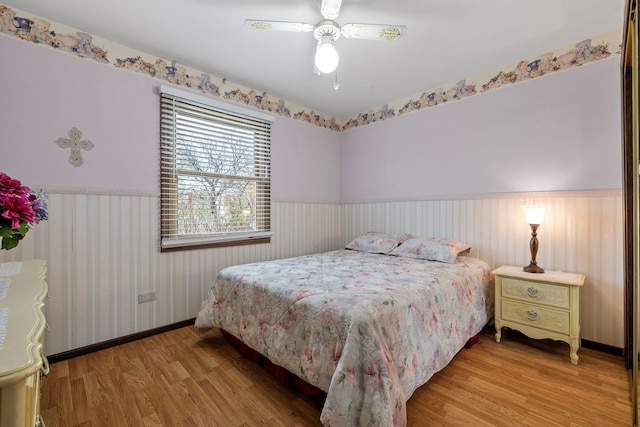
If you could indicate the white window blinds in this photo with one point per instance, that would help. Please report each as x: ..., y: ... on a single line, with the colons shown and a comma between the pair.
x: 215, y: 172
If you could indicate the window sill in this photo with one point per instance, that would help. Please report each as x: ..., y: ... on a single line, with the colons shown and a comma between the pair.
x: 185, y: 245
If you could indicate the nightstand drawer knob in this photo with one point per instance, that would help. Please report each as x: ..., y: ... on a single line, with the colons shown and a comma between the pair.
x: 532, y: 315
x: 533, y: 292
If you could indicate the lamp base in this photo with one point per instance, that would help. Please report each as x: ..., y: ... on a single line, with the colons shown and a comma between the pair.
x: 533, y: 268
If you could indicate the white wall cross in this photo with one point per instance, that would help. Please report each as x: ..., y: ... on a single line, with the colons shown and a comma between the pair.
x: 75, y: 143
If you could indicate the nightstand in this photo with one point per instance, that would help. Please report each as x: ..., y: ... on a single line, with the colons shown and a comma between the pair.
x: 545, y: 305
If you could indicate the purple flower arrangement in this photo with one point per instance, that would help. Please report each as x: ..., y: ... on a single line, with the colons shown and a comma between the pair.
x: 20, y: 208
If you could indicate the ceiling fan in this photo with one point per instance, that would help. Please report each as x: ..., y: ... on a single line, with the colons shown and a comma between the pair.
x: 327, y: 31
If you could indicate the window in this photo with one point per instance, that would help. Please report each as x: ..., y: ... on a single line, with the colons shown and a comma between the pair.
x: 215, y: 172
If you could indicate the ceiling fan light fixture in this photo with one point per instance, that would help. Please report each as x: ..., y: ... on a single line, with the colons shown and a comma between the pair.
x: 327, y: 57
x: 327, y: 31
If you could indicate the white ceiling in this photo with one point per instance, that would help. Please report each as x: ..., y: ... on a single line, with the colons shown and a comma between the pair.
x: 446, y: 41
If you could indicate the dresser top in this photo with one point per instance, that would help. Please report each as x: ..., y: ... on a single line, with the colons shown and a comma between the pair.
x: 554, y: 276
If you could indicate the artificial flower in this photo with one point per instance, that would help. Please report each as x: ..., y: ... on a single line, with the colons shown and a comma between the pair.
x: 20, y: 208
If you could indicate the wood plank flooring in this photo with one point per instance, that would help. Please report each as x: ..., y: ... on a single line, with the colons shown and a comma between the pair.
x: 180, y: 379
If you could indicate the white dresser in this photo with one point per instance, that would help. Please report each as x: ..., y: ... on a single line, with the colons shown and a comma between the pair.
x: 22, y: 325
x: 543, y: 305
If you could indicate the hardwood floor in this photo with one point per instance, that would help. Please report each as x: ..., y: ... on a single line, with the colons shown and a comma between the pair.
x: 180, y: 379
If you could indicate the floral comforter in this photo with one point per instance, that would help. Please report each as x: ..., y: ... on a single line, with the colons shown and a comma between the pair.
x: 368, y: 329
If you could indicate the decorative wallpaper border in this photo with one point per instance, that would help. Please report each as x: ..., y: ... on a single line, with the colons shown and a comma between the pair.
x: 20, y: 24
x: 569, y: 57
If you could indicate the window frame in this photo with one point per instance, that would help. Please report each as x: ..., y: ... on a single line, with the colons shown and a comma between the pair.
x: 170, y: 240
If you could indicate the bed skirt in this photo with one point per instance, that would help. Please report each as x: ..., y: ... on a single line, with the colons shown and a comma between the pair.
x: 278, y: 372
x: 281, y: 374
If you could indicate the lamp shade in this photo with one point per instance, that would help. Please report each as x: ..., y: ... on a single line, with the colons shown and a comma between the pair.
x: 327, y: 57
x: 534, y: 213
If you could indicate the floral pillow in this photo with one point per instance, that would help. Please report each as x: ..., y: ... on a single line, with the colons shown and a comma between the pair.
x: 431, y: 248
x: 377, y: 243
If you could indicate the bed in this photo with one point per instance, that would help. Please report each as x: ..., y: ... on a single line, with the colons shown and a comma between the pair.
x: 367, y: 324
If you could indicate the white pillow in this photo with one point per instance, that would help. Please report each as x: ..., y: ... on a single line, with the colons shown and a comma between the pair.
x: 377, y: 243
x: 431, y: 248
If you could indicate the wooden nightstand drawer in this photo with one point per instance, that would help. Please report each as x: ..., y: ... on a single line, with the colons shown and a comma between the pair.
x: 540, y: 305
x: 542, y: 293
x: 540, y: 317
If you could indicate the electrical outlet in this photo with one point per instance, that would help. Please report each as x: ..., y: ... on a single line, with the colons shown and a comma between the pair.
x: 148, y: 297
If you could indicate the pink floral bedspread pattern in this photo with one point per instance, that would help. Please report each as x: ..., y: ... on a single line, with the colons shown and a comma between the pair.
x: 366, y: 328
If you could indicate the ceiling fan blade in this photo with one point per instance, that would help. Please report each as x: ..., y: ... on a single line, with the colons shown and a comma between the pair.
x: 373, y: 31
x: 330, y: 9
x: 297, y: 27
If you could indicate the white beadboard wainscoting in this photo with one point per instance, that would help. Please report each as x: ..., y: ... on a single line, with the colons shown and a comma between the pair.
x: 102, y: 250
x: 582, y: 232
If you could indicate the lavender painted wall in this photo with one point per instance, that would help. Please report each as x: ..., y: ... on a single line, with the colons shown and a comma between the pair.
x: 555, y: 133
x: 306, y: 162
x: 559, y: 132
x: 51, y: 92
